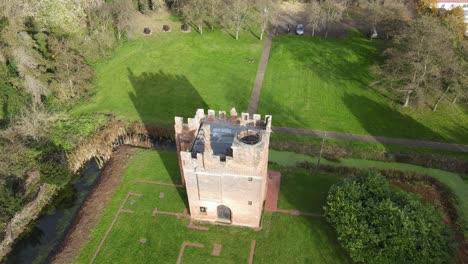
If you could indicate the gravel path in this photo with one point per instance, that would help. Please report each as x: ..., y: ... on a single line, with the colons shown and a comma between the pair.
x: 262, y: 66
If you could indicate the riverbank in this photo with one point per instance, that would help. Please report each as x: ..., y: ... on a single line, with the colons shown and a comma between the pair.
x: 95, y: 203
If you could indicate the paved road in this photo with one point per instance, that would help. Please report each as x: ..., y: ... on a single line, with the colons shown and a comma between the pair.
x: 262, y: 65
x: 366, y: 138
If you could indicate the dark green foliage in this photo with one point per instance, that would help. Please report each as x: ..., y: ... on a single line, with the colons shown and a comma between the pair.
x: 53, y: 166
x: 41, y: 41
x: 68, y: 132
x: 30, y: 25
x: 10, y: 197
x: 378, y: 225
x: 11, y: 101
x: 54, y: 173
x: 3, y: 23
x: 65, y: 198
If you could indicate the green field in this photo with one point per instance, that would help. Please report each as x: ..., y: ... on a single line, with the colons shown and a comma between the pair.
x: 166, y: 75
x: 283, y: 239
x: 453, y: 181
x: 318, y: 83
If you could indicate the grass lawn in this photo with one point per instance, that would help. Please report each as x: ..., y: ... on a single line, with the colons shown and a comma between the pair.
x: 283, y: 238
x: 318, y: 83
x: 453, y: 181
x: 304, y: 191
x: 165, y: 75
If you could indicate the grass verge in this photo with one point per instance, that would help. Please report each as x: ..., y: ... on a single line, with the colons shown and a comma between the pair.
x: 283, y: 239
x: 318, y: 83
x: 166, y: 75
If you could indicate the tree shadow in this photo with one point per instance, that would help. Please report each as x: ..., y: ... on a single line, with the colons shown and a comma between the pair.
x: 162, y: 95
x: 336, y: 60
x: 376, y: 117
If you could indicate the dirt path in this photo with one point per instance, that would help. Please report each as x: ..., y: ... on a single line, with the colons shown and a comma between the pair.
x: 373, y: 139
x: 96, y: 202
x: 262, y: 66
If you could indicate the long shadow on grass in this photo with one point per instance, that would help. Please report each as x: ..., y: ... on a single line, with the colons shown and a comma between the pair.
x: 164, y: 96
x: 336, y: 60
x: 380, y: 120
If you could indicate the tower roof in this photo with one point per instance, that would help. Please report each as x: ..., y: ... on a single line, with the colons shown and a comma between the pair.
x: 221, y: 137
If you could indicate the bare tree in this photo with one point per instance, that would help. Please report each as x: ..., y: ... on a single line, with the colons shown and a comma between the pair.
x: 333, y: 12
x: 387, y: 13
x: 213, y: 8
x: 414, y: 65
x: 315, y: 16
x: 121, y: 13
x: 32, y: 123
x: 235, y: 15
x: 266, y: 13
x: 195, y: 11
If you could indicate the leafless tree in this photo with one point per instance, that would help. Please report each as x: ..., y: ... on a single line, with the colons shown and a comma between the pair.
x: 235, y: 15
x: 333, y: 12
x: 414, y: 65
x: 121, y: 13
x: 32, y: 123
x: 266, y: 14
x: 315, y: 16
x: 213, y: 8
x: 388, y: 13
x: 195, y: 11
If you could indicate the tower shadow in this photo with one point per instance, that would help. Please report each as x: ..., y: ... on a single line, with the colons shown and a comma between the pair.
x: 158, y: 97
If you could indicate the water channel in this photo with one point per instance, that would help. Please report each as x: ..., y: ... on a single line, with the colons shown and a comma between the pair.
x: 50, y: 228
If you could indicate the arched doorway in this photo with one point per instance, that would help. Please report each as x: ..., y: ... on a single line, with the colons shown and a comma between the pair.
x: 224, y: 214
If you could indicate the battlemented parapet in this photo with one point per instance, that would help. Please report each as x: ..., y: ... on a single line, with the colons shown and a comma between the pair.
x: 223, y: 162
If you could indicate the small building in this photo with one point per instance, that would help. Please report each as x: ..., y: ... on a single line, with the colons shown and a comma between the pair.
x: 224, y: 163
x: 451, y: 4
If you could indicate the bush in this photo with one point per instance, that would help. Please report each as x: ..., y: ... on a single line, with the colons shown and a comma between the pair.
x: 378, y: 225
x: 10, y: 202
x: 41, y: 41
x: 53, y: 167
x: 55, y: 173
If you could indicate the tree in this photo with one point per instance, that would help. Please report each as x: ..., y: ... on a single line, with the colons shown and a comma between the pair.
x: 333, y: 12
x: 235, y: 15
x: 195, y: 12
x: 121, y: 13
x: 376, y: 224
x: 59, y: 16
x: 427, y: 7
x: 454, y: 20
x: 386, y: 13
x: 213, y: 8
x: 10, y: 202
x: 413, y: 66
x: 315, y: 16
x: 395, y: 16
x: 266, y: 14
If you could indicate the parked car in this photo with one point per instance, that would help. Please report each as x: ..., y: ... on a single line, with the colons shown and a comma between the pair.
x: 300, y: 29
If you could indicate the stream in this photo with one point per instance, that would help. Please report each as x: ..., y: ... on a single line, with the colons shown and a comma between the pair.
x: 51, y: 227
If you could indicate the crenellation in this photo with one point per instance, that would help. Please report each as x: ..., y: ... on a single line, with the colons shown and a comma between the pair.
x: 211, y: 115
x: 222, y: 115
x: 200, y: 113
x: 179, y: 124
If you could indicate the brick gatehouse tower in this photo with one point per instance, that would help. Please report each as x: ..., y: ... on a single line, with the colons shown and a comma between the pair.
x: 224, y: 162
